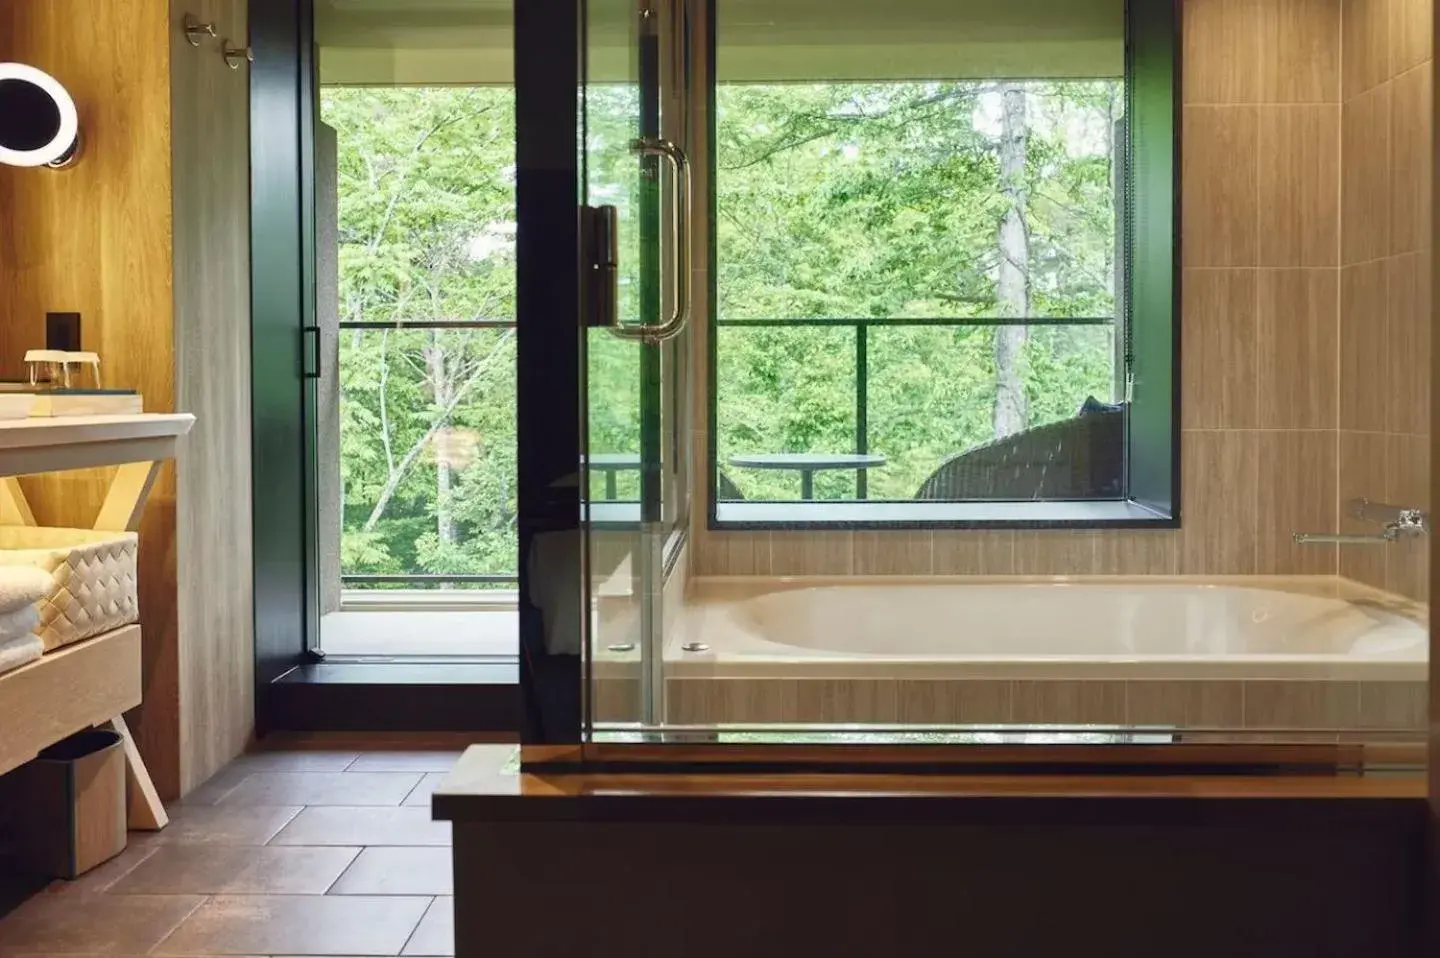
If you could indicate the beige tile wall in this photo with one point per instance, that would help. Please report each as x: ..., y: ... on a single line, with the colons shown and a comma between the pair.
x: 1384, y: 331
x: 1253, y: 705
x: 1262, y: 206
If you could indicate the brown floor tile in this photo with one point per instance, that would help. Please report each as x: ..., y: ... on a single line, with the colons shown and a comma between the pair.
x: 219, y: 870
x: 297, y: 925
x: 437, y: 761
x: 502, y: 761
x: 99, y: 879
x: 398, y: 871
x: 297, y: 761
x: 436, y: 934
x: 216, y: 787
x: 106, y: 925
x: 376, y: 825
x: 228, y: 825
x: 323, y: 788
x: 420, y: 795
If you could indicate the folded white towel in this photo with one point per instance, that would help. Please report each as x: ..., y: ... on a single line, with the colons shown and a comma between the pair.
x: 22, y: 585
x: 20, y: 623
x: 21, y: 651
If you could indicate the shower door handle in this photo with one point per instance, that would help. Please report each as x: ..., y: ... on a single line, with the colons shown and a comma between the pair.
x: 681, y: 209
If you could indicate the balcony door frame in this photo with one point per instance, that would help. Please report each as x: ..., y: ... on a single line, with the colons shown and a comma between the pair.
x: 295, y: 688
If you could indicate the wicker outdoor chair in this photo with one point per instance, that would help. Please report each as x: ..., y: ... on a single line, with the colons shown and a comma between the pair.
x: 1078, y: 458
x: 728, y: 491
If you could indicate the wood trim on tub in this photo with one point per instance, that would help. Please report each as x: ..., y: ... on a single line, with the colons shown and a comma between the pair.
x: 479, y: 792
x: 921, y: 759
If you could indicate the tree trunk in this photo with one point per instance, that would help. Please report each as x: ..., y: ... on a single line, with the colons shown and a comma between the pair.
x: 1012, y: 288
x: 441, y: 420
x: 443, y: 390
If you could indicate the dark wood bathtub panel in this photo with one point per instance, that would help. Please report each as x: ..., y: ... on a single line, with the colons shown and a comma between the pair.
x: 875, y: 888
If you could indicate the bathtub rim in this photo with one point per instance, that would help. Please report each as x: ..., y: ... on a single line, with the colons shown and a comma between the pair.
x: 705, y: 593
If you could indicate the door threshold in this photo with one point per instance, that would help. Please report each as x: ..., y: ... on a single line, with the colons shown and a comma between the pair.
x: 446, y: 696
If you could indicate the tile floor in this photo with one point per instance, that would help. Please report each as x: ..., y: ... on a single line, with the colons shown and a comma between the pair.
x: 294, y: 853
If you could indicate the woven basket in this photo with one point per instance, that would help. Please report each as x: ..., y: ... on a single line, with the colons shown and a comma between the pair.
x: 92, y: 579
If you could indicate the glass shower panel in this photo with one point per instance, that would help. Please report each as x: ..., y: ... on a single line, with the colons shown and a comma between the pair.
x: 636, y: 179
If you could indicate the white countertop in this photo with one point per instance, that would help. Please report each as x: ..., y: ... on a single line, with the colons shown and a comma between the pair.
x: 59, y: 443
x: 69, y: 430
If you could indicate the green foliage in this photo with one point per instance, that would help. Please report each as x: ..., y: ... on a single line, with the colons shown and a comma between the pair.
x: 846, y: 200
x: 882, y: 200
x: 427, y: 431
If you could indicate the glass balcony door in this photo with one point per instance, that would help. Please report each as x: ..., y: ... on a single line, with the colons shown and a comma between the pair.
x: 415, y: 415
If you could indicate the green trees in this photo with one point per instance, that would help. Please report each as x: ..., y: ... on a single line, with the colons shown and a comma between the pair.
x: 426, y: 215
x: 956, y: 201
x: 963, y: 201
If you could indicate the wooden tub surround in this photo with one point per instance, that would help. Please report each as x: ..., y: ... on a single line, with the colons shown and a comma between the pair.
x: 95, y: 681
x: 901, y: 865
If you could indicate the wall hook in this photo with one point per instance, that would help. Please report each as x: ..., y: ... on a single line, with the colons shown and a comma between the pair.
x: 196, y: 32
x: 235, y: 56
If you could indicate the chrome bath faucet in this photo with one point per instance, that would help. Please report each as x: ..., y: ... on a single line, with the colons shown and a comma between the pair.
x: 1395, y: 522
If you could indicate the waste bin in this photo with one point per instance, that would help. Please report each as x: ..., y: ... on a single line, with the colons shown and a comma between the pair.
x: 71, y: 804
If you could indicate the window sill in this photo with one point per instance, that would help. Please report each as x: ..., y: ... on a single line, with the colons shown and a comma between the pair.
x: 1107, y: 514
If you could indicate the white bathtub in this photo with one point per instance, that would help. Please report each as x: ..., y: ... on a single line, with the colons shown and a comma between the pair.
x: 1311, y: 628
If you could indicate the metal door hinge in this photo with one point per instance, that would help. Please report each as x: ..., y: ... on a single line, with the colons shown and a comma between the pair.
x: 600, y: 265
x: 310, y: 357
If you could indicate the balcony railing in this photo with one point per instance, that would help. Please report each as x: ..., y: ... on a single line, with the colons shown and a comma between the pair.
x: 398, y: 365
x: 865, y: 335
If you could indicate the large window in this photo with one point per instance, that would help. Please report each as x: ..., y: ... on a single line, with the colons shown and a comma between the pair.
x: 922, y: 275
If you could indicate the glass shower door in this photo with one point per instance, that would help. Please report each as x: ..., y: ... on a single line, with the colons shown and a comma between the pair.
x: 636, y: 188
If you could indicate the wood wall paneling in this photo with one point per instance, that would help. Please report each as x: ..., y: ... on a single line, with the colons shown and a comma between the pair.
x: 96, y: 239
x: 159, y: 272
x: 211, y: 195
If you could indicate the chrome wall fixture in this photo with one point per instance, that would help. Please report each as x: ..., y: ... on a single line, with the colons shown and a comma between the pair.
x: 234, y: 56
x: 39, y: 125
x: 198, y: 31
x: 1395, y: 522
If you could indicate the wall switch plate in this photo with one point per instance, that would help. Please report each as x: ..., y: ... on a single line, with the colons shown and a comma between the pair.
x: 62, y: 331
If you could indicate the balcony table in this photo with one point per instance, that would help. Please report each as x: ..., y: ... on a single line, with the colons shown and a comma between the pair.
x: 808, y: 463
x: 612, y: 464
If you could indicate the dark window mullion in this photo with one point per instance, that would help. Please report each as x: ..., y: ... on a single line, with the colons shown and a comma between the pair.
x: 862, y: 400
x: 437, y: 324
x: 498, y: 578
x: 939, y: 321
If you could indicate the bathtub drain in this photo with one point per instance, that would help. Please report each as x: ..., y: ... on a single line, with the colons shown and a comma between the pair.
x: 622, y: 647
x: 695, y: 647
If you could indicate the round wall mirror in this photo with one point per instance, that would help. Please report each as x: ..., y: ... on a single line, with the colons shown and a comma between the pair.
x: 38, y: 122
